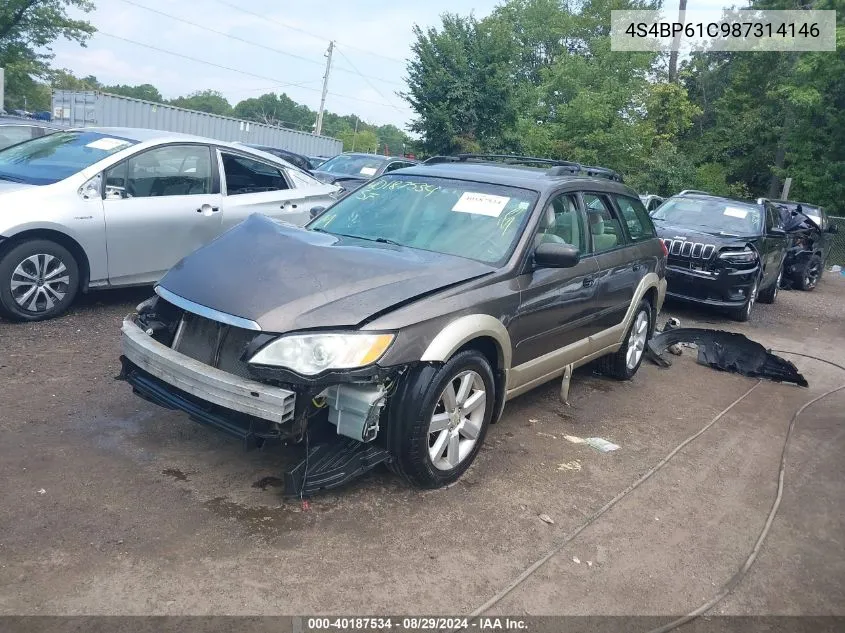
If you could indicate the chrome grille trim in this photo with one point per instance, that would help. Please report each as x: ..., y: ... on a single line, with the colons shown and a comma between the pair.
x: 693, y: 250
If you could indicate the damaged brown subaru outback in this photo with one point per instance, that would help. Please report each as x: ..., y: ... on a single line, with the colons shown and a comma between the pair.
x: 404, y: 316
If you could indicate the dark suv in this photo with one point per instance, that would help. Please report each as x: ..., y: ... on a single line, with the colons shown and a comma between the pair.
x: 811, y: 237
x: 722, y: 252
x: 404, y: 316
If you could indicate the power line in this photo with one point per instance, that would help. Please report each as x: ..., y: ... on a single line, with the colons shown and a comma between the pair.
x: 211, y: 30
x: 364, y: 77
x: 304, y: 32
x: 279, y: 83
x: 245, y: 41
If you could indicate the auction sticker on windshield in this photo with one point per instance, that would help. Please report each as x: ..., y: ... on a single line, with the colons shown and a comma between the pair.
x: 368, y: 171
x: 481, y: 204
x: 107, y: 144
x: 736, y: 213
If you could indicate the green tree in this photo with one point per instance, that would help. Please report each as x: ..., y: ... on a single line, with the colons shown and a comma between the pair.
x: 147, y: 92
x: 27, y: 29
x: 210, y: 101
x: 276, y: 110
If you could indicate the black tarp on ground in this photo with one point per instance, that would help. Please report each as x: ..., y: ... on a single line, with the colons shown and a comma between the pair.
x: 727, y: 351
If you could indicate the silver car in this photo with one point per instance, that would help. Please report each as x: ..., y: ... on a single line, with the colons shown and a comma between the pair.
x: 107, y: 207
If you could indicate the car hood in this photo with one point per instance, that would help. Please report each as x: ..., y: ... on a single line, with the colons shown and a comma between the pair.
x: 673, y: 232
x: 327, y: 177
x: 286, y: 278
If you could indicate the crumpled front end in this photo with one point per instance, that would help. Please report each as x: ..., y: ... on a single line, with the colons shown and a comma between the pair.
x: 190, y: 362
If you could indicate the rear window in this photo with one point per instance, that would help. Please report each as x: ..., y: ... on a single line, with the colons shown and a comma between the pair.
x: 49, y: 159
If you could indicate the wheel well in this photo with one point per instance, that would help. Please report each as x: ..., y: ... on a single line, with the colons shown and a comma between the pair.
x: 59, y: 238
x: 651, y: 296
x: 487, y: 346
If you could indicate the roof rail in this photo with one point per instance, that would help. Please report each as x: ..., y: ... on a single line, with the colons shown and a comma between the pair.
x: 695, y: 191
x: 558, y: 167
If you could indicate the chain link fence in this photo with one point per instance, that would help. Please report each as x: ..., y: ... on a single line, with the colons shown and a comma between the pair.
x: 837, y: 249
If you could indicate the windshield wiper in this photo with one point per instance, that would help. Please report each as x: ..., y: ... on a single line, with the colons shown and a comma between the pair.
x: 380, y: 240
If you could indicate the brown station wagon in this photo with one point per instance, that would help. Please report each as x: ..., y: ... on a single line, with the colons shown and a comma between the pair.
x: 403, y: 317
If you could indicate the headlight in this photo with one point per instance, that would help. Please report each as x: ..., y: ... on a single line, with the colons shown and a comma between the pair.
x: 745, y: 256
x: 310, y: 354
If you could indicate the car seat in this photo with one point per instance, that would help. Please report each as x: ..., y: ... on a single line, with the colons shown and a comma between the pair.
x: 602, y: 241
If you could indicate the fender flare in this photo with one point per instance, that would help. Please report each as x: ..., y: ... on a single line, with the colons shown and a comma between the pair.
x: 463, y: 330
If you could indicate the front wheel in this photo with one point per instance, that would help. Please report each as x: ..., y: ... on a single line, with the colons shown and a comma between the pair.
x: 624, y: 364
x: 771, y: 293
x: 807, y: 276
x: 38, y: 280
x: 441, y: 419
x: 743, y: 313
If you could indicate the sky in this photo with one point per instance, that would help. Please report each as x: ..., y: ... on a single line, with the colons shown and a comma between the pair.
x: 278, y: 43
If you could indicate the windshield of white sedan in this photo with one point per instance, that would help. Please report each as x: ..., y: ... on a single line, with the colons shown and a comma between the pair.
x: 49, y: 159
x: 474, y: 220
x: 715, y: 216
x: 352, y: 165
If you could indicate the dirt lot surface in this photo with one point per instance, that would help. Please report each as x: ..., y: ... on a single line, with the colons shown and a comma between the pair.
x: 114, y: 506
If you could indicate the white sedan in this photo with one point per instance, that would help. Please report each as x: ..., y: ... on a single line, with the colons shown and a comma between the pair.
x: 109, y: 207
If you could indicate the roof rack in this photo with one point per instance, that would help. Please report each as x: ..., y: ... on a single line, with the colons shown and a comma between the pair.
x: 558, y: 167
x: 695, y: 191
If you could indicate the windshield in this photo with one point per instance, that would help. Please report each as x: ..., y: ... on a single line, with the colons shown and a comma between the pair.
x: 473, y: 220
x: 49, y: 159
x: 352, y: 165
x: 713, y: 215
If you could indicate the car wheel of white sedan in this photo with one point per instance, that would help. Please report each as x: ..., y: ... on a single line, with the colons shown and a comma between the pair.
x: 39, y: 280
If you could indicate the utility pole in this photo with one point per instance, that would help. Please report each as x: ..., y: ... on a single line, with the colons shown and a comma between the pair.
x: 676, y: 43
x: 355, y: 136
x: 318, y: 129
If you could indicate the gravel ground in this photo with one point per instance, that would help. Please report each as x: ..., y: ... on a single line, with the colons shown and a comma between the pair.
x: 115, y: 506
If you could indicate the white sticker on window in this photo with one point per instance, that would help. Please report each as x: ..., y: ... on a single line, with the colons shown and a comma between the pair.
x: 368, y: 171
x: 736, y: 213
x: 107, y: 144
x: 481, y: 204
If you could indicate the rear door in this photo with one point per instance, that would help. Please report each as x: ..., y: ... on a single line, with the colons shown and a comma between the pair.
x: 160, y: 205
x: 556, y: 304
x: 620, y: 266
x: 251, y: 185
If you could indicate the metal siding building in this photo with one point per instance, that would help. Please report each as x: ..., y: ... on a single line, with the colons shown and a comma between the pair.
x: 84, y: 108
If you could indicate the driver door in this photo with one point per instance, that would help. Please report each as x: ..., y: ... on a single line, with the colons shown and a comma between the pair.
x: 556, y: 304
x: 160, y: 205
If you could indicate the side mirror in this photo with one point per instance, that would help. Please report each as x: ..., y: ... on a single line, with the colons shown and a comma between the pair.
x: 553, y: 255
x: 315, y: 211
x: 776, y: 231
x: 833, y: 228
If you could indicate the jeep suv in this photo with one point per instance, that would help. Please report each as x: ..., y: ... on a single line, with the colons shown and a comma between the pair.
x: 722, y: 252
x: 403, y: 317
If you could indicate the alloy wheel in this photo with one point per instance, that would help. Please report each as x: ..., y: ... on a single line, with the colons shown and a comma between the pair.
x: 457, y: 420
x: 752, y: 297
x: 811, y: 278
x: 637, y: 340
x: 39, y: 282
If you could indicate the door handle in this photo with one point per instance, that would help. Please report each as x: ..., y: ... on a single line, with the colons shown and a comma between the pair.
x: 636, y: 267
x: 288, y: 204
x: 207, y: 207
x: 589, y: 281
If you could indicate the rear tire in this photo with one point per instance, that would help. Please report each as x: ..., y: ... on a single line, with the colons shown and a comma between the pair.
x: 39, y: 280
x: 807, y: 275
x: 624, y: 364
x: 439, y: 419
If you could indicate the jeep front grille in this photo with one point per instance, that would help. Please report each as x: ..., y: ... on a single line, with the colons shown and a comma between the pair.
x: 694, y: 250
